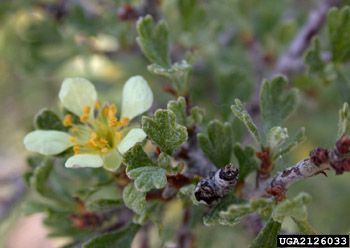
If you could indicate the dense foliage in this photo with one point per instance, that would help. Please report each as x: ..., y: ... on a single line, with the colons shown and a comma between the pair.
x: 219, y: 84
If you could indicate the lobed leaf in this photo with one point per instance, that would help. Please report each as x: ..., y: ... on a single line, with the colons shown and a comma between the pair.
x: 164, y: 131
x: 141, y: 168
x: 246, y: 161
x: 295, y: 208
x: 313, y: 59
x: 276, y: 105
x: 186, y: 194
x: 218, y: 145
x: 261, y: 205
x: 290, y: 145
x: 178, y: 74
x: 243, y: 115
x: 214, y: 214
x: 153, y: 40
x: 134, y: 199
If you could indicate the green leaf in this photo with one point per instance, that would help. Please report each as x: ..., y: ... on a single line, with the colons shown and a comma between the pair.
x: 121, y: 238
x: 153, y: 40
x: 164, y: 131
x: 48, y: 120
x: 267, y: 237
x: 179, y: 75
x: 196, y: 116
x: 295, y: 208
x: 179, y: 109
x: 339, y: 30
x: 218, y: 145
x: 246, y: 161
x: 313, y: 59
x: 100, y: 205
x: 290, y: 145
x: 186, y: 194
x: 154, y: 212
x: 164, y: 161
x: 261, y: 205
x: 141, y: 168
x: 214, y: 215
x: 343, y: 83
x: 276, y: 105
x: 276, y: 137
x: 243, y: 115
x: 304, y: 227
x: 344, y: 117
x: 40, y: 183
x: 134, y: 199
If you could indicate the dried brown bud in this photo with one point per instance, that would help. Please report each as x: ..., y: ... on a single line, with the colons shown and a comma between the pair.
x: 343, y: 144
x: 319, y: 156
x: 341, y: 166
x: 277, y: 192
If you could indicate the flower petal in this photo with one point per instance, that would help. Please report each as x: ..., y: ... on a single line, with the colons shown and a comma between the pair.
x: 76, y: 93
x: 137, y: 97
x: 135, y: 135
x: 84, y: 160
x: 47, y: 142
x: 111, y: 160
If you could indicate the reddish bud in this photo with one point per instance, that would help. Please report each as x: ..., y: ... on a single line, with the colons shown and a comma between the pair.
x: 319, y: 156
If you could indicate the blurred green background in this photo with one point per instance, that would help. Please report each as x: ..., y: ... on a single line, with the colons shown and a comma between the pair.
x: 42, y: 42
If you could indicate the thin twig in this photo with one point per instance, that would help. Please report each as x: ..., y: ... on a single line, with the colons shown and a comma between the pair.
x: 184, y: 236
x: 289, y: 62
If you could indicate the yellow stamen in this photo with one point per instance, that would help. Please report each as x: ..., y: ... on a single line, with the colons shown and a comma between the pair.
x: 104, y: 150
x: 86, y: 109
x: 93, y: 139
x: 73, y: 130
x: 118, y: 136
x: 76, y: 149
x: 90, y: 144
x: 68, y: 120
x: 84, y: 118
x: 73, y: 139
x: 125, y: 121
x: 113, y: 122
x: 98, y: 104
x: 106, y: 111
x: 112, y: 110
x: 103, y: 142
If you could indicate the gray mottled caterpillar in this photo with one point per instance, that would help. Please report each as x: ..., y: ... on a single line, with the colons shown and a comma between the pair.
x: 218, y: 184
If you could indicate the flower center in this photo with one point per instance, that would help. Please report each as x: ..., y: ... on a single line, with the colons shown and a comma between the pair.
x: 98, y: 134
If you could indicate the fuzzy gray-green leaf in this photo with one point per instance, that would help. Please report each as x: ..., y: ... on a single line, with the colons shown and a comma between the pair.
x: 304, y: 227
x: 295, y: 208
x: 290, y: 145
x: 246, y: 160
x: 164, y: 130
x: 134, y: 199
x: 153, y: 40
x: 276, y: 102
x: 140, y: 167
x: 179, y: 75
x: 218, y: 145
x: 260, y: 205
x: 243, y: 115
x: 267, y: 237
x: 213, y: 216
